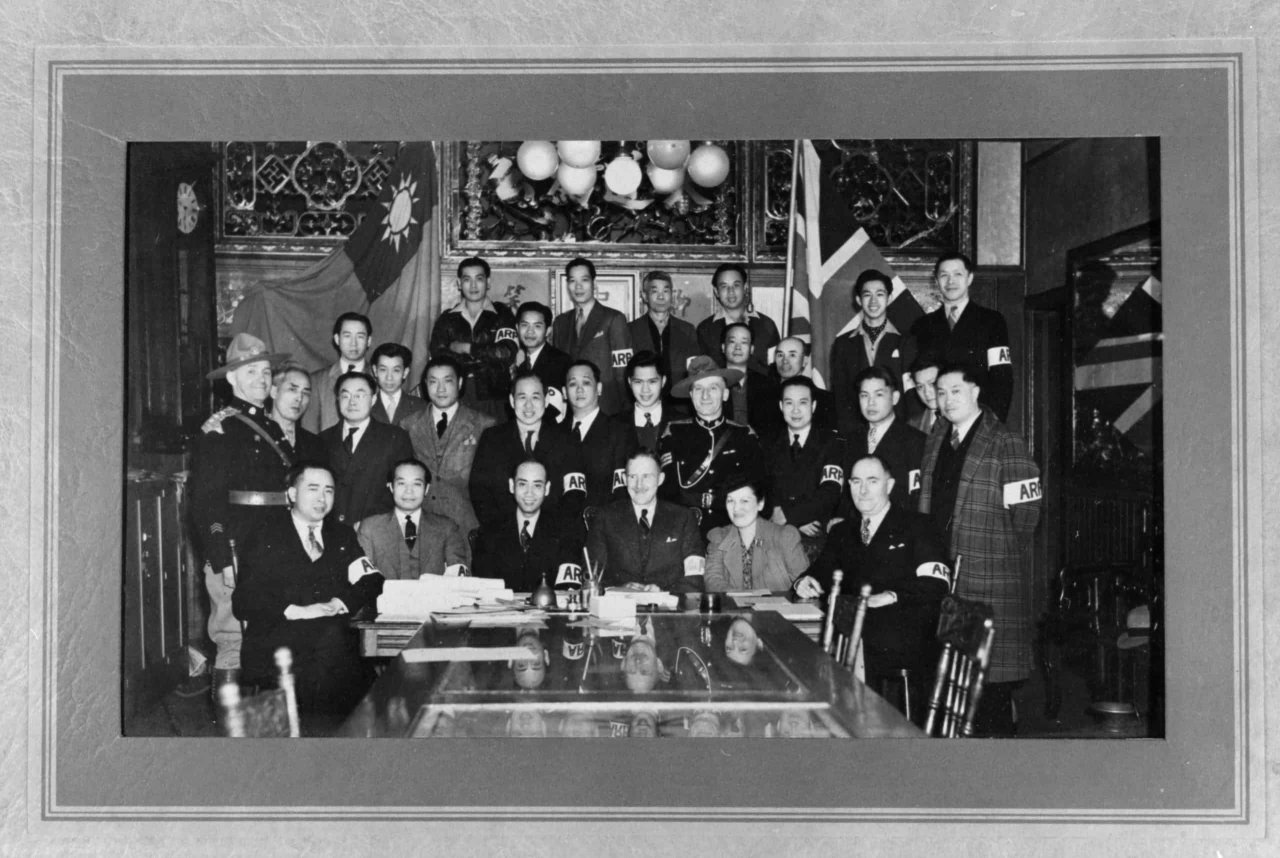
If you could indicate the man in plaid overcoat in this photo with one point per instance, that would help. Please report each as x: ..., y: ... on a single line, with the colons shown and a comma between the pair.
x: 981, y: 487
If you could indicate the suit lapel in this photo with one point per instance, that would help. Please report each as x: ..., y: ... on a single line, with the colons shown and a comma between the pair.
x: 977, y: 451
x: 595, y: 320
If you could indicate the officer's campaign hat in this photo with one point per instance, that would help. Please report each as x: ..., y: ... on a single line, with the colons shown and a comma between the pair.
x: 246, y: 348
x: 705, y: 367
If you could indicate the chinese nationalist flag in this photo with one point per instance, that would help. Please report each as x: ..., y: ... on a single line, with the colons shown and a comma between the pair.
x: 388, y: 269
x: 828, y: 251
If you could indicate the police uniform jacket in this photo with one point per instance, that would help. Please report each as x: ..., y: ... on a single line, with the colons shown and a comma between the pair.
x: 449, y: 459
x: 408, y: 406
x: 616, y: 540
x: 276, y: 572
x: 979, y: 339
x: 893, y: 351
x: 906, y: 556
x: 440, y: 543
x: 597, y: 465
x: 809, y: 485
x: 606, y: 342
x: 764, y: 336
x: 554, y: 551
x: 992, y: 523
x: 361, y: 476
x: 699, y: 459
x: 500, y: 450
x: 902, y: 448
x: 235, y: 459
x: 681, y: 346
x: 487, y: 369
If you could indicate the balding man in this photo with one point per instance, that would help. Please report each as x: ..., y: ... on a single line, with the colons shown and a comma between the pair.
x: 791, y: 360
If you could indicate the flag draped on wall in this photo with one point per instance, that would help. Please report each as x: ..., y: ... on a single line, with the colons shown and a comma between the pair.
x: 827, y: 252
x: 388, y: 269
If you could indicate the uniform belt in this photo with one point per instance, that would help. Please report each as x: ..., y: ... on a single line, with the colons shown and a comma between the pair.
x: 239, y: 498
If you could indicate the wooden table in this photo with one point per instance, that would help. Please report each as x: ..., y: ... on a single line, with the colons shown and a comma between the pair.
x: 732, y: 674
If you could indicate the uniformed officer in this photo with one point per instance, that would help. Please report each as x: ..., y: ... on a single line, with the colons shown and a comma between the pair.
x: 236, y: 472
x: 805, y: 466
x: 962, y: 332
x: 481, y: 336
x: 701, y: 455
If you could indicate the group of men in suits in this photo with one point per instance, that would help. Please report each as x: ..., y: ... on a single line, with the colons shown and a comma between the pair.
x: 538, y: 437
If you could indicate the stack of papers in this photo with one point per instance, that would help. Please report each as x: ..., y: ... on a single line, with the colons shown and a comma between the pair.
x: 661, y: 598
x: 794, y: 611
x: 417, y: 600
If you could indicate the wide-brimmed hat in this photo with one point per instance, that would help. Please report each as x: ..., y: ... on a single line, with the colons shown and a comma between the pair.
x: 246, y: 348
x: 705, y: 367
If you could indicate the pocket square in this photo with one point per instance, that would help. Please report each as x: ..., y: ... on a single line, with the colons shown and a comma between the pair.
x: 670, y: 539
x: 598, y: 335
x: 899, y: 545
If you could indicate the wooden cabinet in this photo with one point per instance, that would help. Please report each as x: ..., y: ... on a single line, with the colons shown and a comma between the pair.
x: 157, y: 586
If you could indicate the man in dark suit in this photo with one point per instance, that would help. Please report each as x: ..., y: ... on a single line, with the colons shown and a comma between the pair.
x: 302, y: 575
x: 806, y: 467
x: 290, y: 393
x: 962, y: 332
x: 900, y: 554
x: 733, y: 298
x: 982, y: 490
x: 649, y: 414
x: 394, y: 404
x: 445, y: 438
x: 408, y: 542
x: 754, y: 399
x: 361, y: 451
x: 352, y: 333
x: 645, y: 543
x: 598, y: 446
x: 530, y: 435
x: 791, y: 359
x: 673, y: 340
x: 924, y: 374
x: 594, y: 332
x: 533, y: 324
x: 886, y: 435
x: 533, y: 542
x: 873, y: 342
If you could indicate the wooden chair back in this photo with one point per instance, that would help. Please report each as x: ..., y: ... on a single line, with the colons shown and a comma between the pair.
x: 829, y: 618
x: 268, y: 714
x: 965, y: 630
x: 850, y: 614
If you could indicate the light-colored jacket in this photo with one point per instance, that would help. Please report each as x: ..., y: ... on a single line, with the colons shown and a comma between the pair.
x: 777, y: 559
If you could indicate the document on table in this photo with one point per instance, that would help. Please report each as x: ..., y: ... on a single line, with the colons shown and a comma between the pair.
x: 787, y: 609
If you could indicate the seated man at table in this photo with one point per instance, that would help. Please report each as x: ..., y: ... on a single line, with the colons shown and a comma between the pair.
x: 409, y: 542
x: 531, y: 541
x: 900, y: 554
x: 645, y: 543
x: 300, y: 577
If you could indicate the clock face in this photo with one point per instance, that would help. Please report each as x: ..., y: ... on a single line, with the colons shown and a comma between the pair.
x: 188, y: 208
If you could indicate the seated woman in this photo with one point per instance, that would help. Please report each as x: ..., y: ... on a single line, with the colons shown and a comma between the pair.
x: 752, y: 553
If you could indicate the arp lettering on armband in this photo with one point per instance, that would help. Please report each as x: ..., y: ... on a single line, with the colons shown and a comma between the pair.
x: 832, y: 474
x: 575, y: 482
x: 505, y: 334
x: 1021, y: 492
x: 934, y: 570
x: 997, y: 356
x: 569, y: 573
x: 621, y: 357
x: 913, y: 481
x: 619, y: 478
x: 573, y: 650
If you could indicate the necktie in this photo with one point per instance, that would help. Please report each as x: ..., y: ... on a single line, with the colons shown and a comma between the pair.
x: 747, y: 583
x: 526, y: 366
x: 410, y: 531
x: 314, y: 549
x: 871, y: 439
x: 528, y: 443
x: 866, y: 531
x: 648, y: 420
x: 351, y: 367
x: 349, y: 443
x: 644, y: 523
x: 577, y: 431
x: 577, y: 325
x: 525, y: 536
x: 442, y: 424
x: 953, y: 314
x: 955, y: 438
x: 795, y: 446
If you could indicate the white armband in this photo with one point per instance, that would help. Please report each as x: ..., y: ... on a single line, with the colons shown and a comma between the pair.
x: 621, y: 357
x: 934, y: 570
x: 570, y: 573
x: 619, y: 478
x: 359, y: 568
x: 913, y: 481
x: 694, y: 565
x: 508, y: 334
x: 832, y: 474
x: 457, y: 570
x: 1021, y: 492
x: 575, y: 482
x: 997, y: 356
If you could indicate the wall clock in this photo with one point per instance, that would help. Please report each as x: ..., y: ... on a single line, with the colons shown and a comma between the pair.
x: 188, y: 208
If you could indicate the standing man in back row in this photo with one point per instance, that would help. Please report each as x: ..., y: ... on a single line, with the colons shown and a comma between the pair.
x: 591, y: 331
x: 481, y: 336
x: 962, y: 332
x: 352, y: 333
